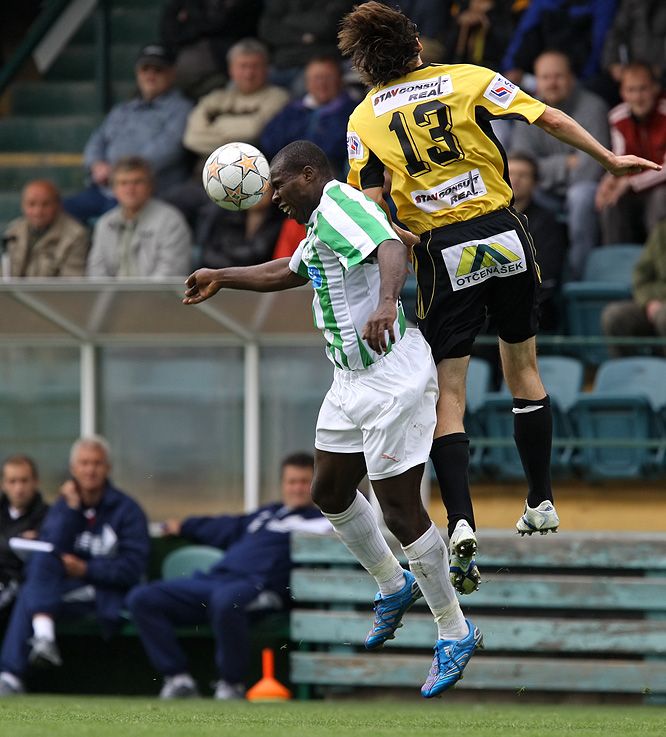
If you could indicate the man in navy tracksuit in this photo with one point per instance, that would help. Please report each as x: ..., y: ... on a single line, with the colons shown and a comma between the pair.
x: 257, y: 560
x: 100, y: 550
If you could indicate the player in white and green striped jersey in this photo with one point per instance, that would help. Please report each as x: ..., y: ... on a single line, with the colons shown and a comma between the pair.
x: 379, y: 415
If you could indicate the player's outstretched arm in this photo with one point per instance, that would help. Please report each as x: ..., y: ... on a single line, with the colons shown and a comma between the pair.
x: 272, y: 276
x: 562, y: 126
x: 392, y: 259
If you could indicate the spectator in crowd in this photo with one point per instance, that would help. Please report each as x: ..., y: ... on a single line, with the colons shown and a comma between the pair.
x: 577, y: 28
x: 296, y: 31
x: 645, y: 314
x: 150, y: 125
x: 637, y: 34
x: 630, y: 207
x: 238, y: 238
x: 478, y: 32
x: 45, y: 241
x: 256, y: 563
x: 320, y: 116
x: 201, y: 32
x: 100, y: 550
x: 141, y: 236
x: 22, y: 511
x: 237, y: 112
x: 550, y: 236
x: 568, y: 178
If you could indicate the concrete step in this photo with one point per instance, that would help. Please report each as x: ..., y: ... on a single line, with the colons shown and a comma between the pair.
x: 78, y: 62
x: 65, y: 177
x: 64, y: 134
x: 63, y: 98
x: 128, y: 24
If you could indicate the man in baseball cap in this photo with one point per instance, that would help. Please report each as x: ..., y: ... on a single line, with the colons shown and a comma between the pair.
x: 156, y: 54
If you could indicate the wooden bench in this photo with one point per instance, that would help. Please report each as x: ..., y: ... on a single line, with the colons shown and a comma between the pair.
x: 572, y: 612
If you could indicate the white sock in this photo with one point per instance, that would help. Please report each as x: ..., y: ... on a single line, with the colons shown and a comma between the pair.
x: 43, y: 627
x: 429, y: 562
x: 14, y: 681
x: 358, y: 529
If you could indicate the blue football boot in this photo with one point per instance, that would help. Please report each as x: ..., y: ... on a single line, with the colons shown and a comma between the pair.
x: 389, y: 611
x: 451, y: 657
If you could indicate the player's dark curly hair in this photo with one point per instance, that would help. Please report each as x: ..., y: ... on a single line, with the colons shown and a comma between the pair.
x: 382, y: 42
x: 295, y: 156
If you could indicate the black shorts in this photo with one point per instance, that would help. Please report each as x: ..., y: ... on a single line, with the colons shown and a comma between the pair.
x: 474, y: 270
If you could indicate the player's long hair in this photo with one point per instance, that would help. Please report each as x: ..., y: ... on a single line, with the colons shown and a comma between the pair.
x: 382, y: 42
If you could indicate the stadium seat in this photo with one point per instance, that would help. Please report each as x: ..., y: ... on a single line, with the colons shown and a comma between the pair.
x: 190, y: 559
x: 626, y: 403
x: 478, y: 387
x: 563, y: 378
x: 607, y: 278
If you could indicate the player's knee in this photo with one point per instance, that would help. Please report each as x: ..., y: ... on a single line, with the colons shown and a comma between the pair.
x: 406, y: 524
x: 330, y: 498
x: 139, y: 599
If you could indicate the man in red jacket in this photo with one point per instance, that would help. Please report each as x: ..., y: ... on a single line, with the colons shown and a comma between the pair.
x: 631, y: 206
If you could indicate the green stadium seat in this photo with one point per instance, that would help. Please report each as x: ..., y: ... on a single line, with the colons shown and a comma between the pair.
x: 628, y: 402
x: 186, y: 561
x: 563, y: 378
x: 607, y: 278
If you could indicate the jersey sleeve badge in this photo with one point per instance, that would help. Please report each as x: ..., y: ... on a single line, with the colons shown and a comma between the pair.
x: 501, y: 91
x: 354, y: 146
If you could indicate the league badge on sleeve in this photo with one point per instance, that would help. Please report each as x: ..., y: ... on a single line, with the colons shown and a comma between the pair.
x: 501, y: 91
x: 354, y: 146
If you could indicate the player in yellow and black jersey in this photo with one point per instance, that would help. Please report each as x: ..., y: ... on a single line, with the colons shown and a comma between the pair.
x: 429, y: 127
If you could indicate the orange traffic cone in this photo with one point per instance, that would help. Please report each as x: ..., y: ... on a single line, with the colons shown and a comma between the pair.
x: 268, y: 688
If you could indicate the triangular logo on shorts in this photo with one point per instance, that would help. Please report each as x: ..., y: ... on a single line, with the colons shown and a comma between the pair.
x: 483, y: 256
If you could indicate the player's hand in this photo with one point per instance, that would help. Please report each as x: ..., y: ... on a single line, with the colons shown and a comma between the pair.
x: 379, y: 323
x: 406, y: 236
x: 75, y: 567
x: 621, y: 166
x: 200, y: 286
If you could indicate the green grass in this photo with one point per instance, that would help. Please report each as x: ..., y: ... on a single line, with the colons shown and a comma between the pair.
x: 65, y: 716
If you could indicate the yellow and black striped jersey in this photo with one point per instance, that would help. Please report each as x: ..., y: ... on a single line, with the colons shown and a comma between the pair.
x: 431, y: 130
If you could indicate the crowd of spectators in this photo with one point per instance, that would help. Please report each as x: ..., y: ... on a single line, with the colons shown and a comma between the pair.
x: 86, y: 557
x: 267, y: 72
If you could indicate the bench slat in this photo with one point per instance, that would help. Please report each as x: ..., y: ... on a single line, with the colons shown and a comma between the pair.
x: 503, y: 634
x: 372, y: 669
x: 501, y: 548
x: 349, y: 586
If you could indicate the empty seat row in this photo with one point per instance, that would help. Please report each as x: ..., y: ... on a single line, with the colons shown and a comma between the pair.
x: 616, y: 430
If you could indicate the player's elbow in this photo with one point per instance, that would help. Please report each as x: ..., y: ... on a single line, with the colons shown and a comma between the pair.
x: 552, y: 120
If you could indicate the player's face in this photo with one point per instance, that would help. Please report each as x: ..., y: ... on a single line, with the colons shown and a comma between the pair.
x: 553, y: 78
x: 290, y: 194
x: 153, y: 80
x: 639, y: 92
x: 132, y: 189
x: 296, y: 486
x: 248, y: 72
x: 90, y: 468
x: 40, y: 206
x: 323, y: 81
x: 19, y: 484
x: 522, y: 179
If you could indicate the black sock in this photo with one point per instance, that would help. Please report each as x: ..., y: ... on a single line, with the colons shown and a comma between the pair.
x: 533, y: 433
x: 450, y: 457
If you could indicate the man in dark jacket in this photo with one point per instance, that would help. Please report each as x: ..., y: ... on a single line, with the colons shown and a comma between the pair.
x: 22, y: 511
x: 99, y: 550
x: 257, y: 560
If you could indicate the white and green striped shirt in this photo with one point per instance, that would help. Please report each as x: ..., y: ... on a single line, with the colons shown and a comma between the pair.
x: 336, y: 255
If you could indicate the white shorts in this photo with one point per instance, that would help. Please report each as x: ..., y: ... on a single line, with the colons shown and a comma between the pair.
x: 387, y: 411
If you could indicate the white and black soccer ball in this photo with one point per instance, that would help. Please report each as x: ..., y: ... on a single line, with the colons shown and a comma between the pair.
x: 235, y: 176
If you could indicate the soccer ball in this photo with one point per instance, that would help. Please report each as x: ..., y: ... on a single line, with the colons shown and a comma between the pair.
x: 235, y: 176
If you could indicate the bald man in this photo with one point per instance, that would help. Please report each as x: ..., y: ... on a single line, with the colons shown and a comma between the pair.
x: 45, y: 241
